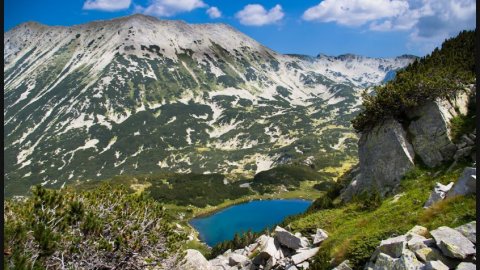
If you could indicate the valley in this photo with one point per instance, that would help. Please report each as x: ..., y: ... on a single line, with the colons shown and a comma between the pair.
x: 138, y: 95
x: 124, y: 137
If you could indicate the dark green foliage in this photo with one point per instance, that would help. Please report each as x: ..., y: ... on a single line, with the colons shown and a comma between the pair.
x: 324, y: 185
x: 238, y: 241
x: 323, y: 202
x: 194, y: 189
x: 439, y: 74
x: 368, y: 200
x: 54, y: 228
x: 289, y: 176
x: 464, y: 124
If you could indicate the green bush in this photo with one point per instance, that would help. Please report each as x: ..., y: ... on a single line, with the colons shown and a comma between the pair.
x: 103, y: 226
x: 238, y: 241
x: 440, y: 74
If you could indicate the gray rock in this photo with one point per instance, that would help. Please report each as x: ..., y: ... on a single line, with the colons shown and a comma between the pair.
x: 270, y: 263
x: 369, y: 266
x: 433, y: 254
x: 194, y: 260
x: 408, y: 261
x: 467, y: 139
x: 287, y: 239
x: 466, y: 184
x: 469, y: 230
x: 304, y: 255
x: 435, y: 265
x: 466, y: 266
x: 219, y: 263
x: 343, y: 266
x: 319, y: 236
x: 439, y: 192
x: 430, y: 132
x: 385, y: 262
x: 270, y: 249
x: 291, y: 267
x: 394, y: 246
x: 236, y: 259
x: 420, y: 230
x: 385, y: 156
x: 304, y: 265
x: 464, y: 152
x: 415, y: 241
x: 452, y: 243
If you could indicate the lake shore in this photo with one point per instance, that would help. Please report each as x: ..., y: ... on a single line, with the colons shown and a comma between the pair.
x: 255, y: 215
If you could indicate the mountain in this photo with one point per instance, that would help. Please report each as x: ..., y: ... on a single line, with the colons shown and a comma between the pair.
x: 139, y: 95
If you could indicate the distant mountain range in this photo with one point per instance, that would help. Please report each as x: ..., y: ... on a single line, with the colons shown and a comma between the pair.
x: 137, y: 95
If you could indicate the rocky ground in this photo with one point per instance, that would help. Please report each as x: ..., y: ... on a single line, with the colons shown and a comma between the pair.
x: 442, y: 248
x: 282, y: 250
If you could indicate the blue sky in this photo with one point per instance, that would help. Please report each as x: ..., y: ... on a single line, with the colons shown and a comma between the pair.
x: 378, y: 28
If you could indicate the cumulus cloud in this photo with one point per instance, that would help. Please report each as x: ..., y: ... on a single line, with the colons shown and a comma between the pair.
x: 428, y: 22
x: 257, y: 15
x: 214, y: 13
x: 354, y: 12
x: 168, y: 8
x: 106, y: 5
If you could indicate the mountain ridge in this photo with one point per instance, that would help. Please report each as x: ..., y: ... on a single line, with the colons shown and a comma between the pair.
x: 138, y: 95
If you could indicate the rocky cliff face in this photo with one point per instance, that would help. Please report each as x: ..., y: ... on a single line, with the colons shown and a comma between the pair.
x: 382, y: 169
x: 431, y: 137
x: 388, y: 151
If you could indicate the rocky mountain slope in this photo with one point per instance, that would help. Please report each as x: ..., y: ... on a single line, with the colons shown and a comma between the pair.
x: 139, y: 95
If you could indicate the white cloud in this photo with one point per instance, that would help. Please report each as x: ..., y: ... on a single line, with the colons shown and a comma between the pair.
x: 354, y: 12
x: 257, y: 15
x: 168, y: 8
x: 428, y: 22
x: 106, y: 5
x: 214, y: 13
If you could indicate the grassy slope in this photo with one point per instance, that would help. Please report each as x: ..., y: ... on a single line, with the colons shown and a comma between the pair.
x: 356, y: 229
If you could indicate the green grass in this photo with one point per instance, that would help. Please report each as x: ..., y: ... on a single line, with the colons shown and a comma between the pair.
x: 355, y: 231
x: 462, y: 124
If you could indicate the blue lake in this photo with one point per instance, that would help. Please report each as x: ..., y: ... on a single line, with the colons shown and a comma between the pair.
x: 254, y: 215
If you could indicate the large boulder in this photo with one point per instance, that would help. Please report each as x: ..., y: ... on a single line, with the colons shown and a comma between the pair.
x: 469, y: 230
x: 452, y: 243
x: 466, y: 184
x: 270, y: 252
x: 439, y: 192
x: 430, y: 128
x: 304, y: 255
x: 385, y: 262
x: 419, y: 230
x: 415, y: 241
x: 287, y: 239
x: 343, y: 266
x: 219, y: 263
x: 236, y: 259
x: 435, y: 265
x: 433, y: 254
x: 466, y: 266
x: 385, y: 155
x: 319, y: 236
x: 194, y: 260
x: 408, y: 261
x: 394, y: 246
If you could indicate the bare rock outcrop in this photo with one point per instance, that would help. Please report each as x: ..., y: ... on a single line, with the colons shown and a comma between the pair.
x: 385, y: 155
x: 388, y: 150
x: 430, y: 130
x: 448, y: 249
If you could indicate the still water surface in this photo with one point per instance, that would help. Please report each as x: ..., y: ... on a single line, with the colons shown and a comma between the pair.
x: 254, y: 215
